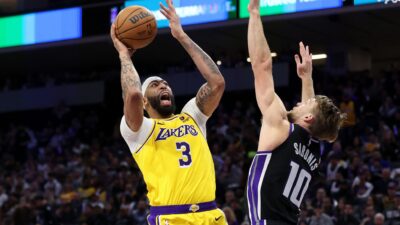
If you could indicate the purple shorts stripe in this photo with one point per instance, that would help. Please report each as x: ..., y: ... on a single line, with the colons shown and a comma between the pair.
x: 253, y: 182
x: 250, y: 200
x: 181, y: 209
x: 151, y: 219
x: 258, y: 171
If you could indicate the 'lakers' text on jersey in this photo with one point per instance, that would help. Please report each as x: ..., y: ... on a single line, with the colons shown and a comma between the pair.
x: 279, y: 179
x: 174, y: 158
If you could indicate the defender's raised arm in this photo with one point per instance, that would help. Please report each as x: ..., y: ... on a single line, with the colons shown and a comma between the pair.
x: 271, y: 106
x: 210, y: 93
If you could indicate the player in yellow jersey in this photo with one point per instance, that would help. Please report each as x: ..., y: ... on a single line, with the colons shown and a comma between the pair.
x: 171, y: 150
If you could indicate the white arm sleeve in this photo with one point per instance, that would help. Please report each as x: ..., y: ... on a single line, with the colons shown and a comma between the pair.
x: 136, y: 140
x: 193, y: 110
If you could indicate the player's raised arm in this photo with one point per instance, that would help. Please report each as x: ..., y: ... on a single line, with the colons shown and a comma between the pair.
x: 261, y: 61
x: 131, y: 86
x: 210, y: 93
x: 304, y: 71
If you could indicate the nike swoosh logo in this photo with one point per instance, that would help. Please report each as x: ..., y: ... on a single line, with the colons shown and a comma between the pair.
x: 216, y: 219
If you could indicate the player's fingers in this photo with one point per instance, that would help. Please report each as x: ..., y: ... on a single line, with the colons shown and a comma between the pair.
x: 307, y: 50
x: 164, y: 8
x: 171, y: 6
x: 114, y: 38
x: 169, y: 3
x: 297, y: 59
x: 302, y: 49
x: 165, y: 14
x: 112, y: 31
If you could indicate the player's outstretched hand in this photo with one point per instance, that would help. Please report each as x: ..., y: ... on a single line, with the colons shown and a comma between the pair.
x: 174, y: 20
x: 304, y: 64
x: 121, y: 48
x: 254, y: 6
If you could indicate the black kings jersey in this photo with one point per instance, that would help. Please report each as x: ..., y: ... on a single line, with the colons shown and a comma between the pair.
x: 279, y: 179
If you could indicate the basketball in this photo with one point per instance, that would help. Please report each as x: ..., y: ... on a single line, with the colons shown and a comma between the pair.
x: 136, y: 27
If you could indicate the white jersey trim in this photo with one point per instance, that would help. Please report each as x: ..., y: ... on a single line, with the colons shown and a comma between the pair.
x: 193, y: 110
x: 136, y: 140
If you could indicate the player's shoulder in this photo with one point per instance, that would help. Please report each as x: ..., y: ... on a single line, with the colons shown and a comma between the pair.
x: 126, y: 131
x: 272, y: 137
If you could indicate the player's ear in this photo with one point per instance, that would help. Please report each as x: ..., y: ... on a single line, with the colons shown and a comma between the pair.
x: 145, y: 103
x: 309, y: 118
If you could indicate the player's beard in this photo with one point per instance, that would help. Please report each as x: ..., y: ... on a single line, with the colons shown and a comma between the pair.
x: 164, y: 111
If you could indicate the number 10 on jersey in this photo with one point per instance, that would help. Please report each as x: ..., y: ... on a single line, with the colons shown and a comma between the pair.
x: 302, y: 180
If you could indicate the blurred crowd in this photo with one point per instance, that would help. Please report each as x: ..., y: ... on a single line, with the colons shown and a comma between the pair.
x: 10, y: 82
x: 70, y: 166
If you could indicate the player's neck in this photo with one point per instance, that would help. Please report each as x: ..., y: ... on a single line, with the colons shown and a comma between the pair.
x: 304, y: 125
x: 156, y: 115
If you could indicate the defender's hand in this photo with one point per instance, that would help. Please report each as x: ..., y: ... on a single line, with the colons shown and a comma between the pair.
x: 174, y: 20
x: 304, y: 65
x: 254, y: 7
x: 119, y: 46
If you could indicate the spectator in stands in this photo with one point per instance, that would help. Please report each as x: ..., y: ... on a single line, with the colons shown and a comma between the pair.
x: 368, y: 216
x: 362, y: 188
x: 320, y: 217
x: 347, y: 106
x: 230, y: 216
x: 388, y: 109
x: 3, y: 195
x: 141, y: 212
x: 320, y: 196
x: 381, y: 181
x: 390, y: 200
x: 340, y: 187
x: 379, y: 219
x: 347, y: 217
x: 390, y: 147
x: 334, y: 166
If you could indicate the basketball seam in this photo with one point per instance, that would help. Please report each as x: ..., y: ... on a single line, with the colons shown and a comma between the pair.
x: 137, y: 38
x: 128, y: 17
x: 137, y: 26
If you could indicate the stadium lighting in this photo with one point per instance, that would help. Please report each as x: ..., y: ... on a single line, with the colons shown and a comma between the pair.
x: 219, y: 62
x: 273, y: 54
x: 319, y: 56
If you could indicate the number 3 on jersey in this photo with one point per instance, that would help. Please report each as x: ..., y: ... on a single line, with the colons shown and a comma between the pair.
x: 296, y: 196
x: 186, y: 159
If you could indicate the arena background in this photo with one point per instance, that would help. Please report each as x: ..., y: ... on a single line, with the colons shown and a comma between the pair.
x: 63, y: 160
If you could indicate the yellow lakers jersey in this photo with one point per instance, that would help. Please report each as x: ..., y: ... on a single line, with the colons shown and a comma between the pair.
x: 176, y: 163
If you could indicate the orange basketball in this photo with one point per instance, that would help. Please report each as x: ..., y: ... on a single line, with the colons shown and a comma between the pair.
x: 136, y: 27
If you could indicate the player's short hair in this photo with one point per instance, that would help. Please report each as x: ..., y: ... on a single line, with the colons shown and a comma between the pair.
x: 328, y: 119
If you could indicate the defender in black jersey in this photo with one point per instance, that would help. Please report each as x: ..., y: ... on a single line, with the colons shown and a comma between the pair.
x: 288, y: 151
